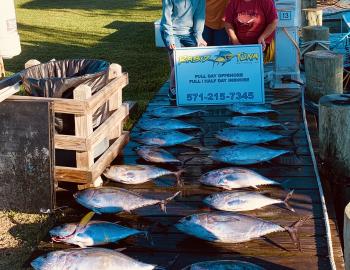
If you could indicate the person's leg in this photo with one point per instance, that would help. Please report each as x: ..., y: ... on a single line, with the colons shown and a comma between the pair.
x: 208, y: 35
x: 220, y: 37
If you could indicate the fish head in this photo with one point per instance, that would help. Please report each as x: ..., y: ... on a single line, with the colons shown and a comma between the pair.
x: 186, y: 223
x: 209, y: 199
x: 85, y: 196
x: 63, y: 230
x: 48, y: 261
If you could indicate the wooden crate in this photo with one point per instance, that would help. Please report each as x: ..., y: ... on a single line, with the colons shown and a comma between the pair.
x: 106, y: 141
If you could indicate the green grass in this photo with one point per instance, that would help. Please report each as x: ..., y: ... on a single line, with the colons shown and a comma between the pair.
x: 119, y: 31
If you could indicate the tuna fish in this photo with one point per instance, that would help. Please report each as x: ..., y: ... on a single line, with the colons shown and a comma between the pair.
x: 223, y: 265
x: 163, y: 137
x: 88, y: 258
x: 247, y: 136
x: 92, y: 234
x: 170, y: 112
x: 235, y: 177
x: 156, y: 155
x: 243, y: 201
x: 250, y: 109
x: 246, y: 154
x: 111, y: 200
x: 253, y: 121
x: 226, y: 227
x: 164, y: 124
x: 137, y: 174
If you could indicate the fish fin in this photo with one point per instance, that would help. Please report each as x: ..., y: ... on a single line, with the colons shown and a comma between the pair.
x: 226, y: 187
x: 163, y: 203
x: 288, y: 197
x: 81, y: 245
x: 120, y: 249
x: 255, y: 187
x: 293, y: 231
x: 85, y: 220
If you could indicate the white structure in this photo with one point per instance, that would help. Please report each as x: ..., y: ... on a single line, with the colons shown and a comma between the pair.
x: 10, y: 45
x: 157, y: 34
x: 287, y: 52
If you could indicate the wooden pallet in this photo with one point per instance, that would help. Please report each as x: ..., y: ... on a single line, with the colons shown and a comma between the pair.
x: 95, y: 149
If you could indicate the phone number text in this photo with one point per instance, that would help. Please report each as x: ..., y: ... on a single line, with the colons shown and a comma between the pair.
x: 193, y: 97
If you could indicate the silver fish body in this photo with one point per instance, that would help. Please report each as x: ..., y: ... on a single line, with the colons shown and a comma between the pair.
x: 156, y: 155
x: 163, y: 138
x: 223, y: 265
x: 252, y: 121
x: 164, y: 124
x: 235, y: 177
x: 246, y: 154
x: 113, y: 200
x: 239, y: 201
x: 250, y: 109
x: 247, y: 136
x: 88, y: 258
x: 170, y: 112
x: 135, y: 174
x: 92, y: 234
x: 226, y: 227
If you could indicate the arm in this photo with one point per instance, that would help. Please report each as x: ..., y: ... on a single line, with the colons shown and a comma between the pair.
x: 231, y: 33
x: 167, y: 24
x: 198, y: 23
x: 267, y: 32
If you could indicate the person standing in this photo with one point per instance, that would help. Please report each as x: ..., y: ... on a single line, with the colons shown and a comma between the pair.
x: 214, y: 29
x: 181, y: 25
x: 251, y: 22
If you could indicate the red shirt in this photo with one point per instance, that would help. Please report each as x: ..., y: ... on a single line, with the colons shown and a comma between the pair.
x: 249, y: 19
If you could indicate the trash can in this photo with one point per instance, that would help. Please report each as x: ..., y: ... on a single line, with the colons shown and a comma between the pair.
x: 58, y: 79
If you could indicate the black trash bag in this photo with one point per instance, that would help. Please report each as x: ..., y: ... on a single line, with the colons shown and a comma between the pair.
x: 58, y: 79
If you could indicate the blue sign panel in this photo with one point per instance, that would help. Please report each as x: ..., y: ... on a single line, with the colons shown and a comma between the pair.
x: 219, y: 75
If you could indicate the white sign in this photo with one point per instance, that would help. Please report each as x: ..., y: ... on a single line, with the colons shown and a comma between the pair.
x: 219, y: 75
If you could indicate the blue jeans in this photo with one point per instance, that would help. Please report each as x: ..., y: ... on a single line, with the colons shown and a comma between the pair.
x: 180, y: 41
x: 215, y: 37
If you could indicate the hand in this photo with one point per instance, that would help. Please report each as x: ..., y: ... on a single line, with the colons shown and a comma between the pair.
x: 261, y: 41
x: 202, y: 43
x: 172, y: 47
x: 235, y: 42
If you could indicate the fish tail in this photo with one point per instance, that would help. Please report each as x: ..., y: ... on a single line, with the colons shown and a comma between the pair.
x: 163, y: 203
x: 178, y: 177
x: 293, y: 231
x: 286, y: 203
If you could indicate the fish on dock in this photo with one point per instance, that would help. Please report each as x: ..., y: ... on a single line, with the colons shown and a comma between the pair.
x: 173, y: 112
x: 137, y: 174
x: 164, y: 124
x: 88, y: 258
x: 92, y: 234
x: 156, y: 155
x: 223, y: 265
x: 228, y: 227
x: 253, y: 121
x: 112, y: 200
x: 243, y: 201
x: 250, y: 108
x: 163, y: 138
x: 246, y: 154
x: 248, y: 136
x: 235, y: 177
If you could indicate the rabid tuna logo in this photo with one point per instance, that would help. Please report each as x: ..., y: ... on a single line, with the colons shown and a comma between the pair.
x: 220, y: 59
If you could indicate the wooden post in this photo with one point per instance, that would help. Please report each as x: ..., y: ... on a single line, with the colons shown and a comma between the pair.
x: 115, y: 100
x: 314, y: 38
x: 346, y: 237
x: 334, y: 130
x: 306, y: 4
x: 2, y: 68
x: 324, y: 74
x: 83, y: 128
x: 313, y: 16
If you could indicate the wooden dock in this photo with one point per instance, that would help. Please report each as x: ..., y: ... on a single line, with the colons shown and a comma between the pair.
x: 276, y: 251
